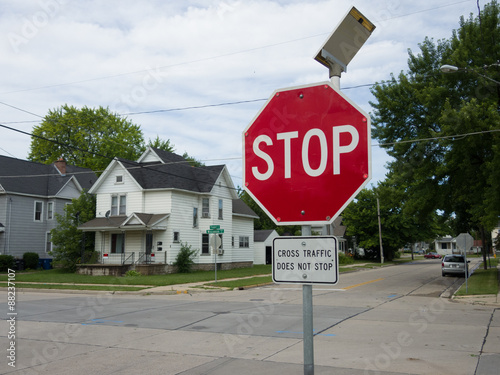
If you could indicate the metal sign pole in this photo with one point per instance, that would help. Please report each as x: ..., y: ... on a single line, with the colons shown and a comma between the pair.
x: 307, y: 320
x: 215, y: 255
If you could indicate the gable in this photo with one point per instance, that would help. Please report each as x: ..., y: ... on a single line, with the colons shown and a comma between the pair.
x: 115, y: 179
x: 70, y: 190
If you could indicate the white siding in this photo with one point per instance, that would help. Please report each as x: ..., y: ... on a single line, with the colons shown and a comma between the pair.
x: 128, y: 186
x: 242, y: 227
x: 157, y: 202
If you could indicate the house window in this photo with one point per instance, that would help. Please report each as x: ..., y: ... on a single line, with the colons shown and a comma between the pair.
x: 50, y: 210
x: 444, y: 246
x: 38, y: 211
x: 48, y: 243
x: 117, y: 243
x: 195, y: 217
x: 220, y: 209
x: 118, y: 205
x: 244, y: 241
x: 205, y: 247
x: 205, y: 207
x: 177, y: 236
x: 119, y: 179
x: 232, y: 241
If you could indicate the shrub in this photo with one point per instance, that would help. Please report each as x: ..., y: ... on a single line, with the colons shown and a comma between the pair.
x: 345, y: 259
x: 6, y: 262
x: 31, y: 260
x: 132, y: 273
x: 184, y: 259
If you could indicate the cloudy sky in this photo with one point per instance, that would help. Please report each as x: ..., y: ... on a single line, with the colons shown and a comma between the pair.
x: 194, y: 71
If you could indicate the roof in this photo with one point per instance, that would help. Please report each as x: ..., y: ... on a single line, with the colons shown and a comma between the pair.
x: 172, y: 171
x: 240, y: 208
x: 134, y: 221
x: 339, y: 229
x: 26, y: 177
x: 262, y: 235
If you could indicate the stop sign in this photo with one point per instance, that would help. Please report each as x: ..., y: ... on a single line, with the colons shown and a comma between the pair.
x: 306, y: 154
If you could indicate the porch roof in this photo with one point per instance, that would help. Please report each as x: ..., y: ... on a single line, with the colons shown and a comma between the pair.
x: 135, y: 221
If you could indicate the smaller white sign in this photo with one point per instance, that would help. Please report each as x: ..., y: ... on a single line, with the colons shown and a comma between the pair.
x: 305, y: 260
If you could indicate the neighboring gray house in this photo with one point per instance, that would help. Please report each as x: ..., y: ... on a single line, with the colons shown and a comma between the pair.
x: 147, y: 209
x: 30, y: 196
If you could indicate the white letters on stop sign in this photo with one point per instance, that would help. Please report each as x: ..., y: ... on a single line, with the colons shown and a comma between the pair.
x: 287, y: 138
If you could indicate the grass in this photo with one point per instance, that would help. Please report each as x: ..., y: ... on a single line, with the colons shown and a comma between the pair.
x: 482, y: 281
x: 241, y: 283
x: 111, y: 288
x: 61, y: 276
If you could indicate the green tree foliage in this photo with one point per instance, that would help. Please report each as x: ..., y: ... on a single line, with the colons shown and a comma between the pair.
x: 442, y: 129
x: 67, y: 239
x: 185, y: 258
x: 85, y: 137
x: 264, y: 221
x: 161, y: 144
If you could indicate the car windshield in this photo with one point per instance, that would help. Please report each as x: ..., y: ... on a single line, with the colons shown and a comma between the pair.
x: 456, y: 259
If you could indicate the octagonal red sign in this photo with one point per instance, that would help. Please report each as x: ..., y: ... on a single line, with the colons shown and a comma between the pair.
x: 306, y: 154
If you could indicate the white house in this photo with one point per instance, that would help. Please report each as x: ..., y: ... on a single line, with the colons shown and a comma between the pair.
x: 147, y: 209
x: 263, y: 245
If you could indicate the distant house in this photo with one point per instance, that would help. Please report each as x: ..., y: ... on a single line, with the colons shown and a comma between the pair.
x: 147, y: 209
x: 334, y: 229
x: 263, y: 251
x: 30, y: 196
x: 445, y: 245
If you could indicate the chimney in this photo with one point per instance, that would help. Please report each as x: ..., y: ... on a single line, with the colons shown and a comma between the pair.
x: 61, y: 166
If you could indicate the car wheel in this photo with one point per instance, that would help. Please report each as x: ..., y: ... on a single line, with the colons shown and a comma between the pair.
x: 444, y: 275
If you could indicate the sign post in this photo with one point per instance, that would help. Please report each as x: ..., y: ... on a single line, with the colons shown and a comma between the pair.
x: 306, y: 260
x: 215, y: 243
x: 306, y: 155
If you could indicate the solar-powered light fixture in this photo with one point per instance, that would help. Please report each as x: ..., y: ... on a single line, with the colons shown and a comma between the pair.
x: 344, y: 42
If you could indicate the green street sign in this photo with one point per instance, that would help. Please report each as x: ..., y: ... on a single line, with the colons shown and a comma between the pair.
x: 214, y: 226
x: 214, y: 231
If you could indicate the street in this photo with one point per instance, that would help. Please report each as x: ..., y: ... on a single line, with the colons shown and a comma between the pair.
x: 376, y: 321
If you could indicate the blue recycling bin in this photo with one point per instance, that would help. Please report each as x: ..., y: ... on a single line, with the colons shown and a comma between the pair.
x: 45, y: 263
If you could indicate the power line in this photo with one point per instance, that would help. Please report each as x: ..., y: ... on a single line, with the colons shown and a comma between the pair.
x: 135, y: 166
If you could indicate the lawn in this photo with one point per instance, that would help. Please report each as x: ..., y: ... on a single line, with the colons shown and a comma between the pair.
x: 60, y: 276
x: 481, y: 282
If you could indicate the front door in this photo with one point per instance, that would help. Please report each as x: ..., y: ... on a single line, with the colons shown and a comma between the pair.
x: 149, y: 246
x: 269, y: 255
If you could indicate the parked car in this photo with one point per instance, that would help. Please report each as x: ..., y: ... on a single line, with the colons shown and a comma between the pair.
x: 432, y: 256
x: 454, y: 264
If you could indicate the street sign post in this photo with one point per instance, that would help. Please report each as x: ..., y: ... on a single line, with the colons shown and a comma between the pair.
x: 464, y: 242
x: 215, y: 243
x: 307, y: 154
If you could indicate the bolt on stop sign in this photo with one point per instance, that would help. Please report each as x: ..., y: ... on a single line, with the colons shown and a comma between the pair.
x: 306, y: 154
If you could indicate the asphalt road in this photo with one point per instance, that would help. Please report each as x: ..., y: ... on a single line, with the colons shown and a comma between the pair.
x: 381, y: 321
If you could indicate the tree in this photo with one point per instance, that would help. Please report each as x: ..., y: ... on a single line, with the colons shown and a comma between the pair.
x: 398, y: 228
x: 85, y: 137
x: 442, y: 130
x: 162, y: 145
x: 68, y: 241
x: 264, y: 221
